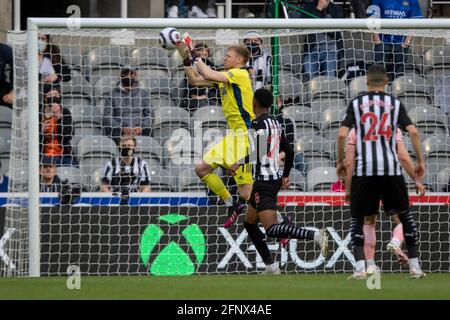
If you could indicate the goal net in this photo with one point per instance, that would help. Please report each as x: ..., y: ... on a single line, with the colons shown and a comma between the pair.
x: 97, y: 85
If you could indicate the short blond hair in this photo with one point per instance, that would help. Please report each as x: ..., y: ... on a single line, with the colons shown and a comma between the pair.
x: 126, y: 138
x: 242, y: 51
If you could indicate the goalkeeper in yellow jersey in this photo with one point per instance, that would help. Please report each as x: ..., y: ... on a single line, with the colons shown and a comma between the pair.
x: 236, y: 93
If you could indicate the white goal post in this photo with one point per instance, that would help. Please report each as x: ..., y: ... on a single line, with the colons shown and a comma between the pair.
x: 34, y: 25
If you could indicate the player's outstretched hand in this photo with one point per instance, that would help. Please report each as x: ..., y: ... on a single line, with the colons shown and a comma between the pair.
x: 348, y: 196
x: 189, y: 42
x: 420, y: 170
x: 420, y: 188
x: 285, y: 183
x: 341, y: 170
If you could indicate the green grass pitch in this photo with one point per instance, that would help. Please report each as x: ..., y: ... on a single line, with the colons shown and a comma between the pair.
x: 310, y: 286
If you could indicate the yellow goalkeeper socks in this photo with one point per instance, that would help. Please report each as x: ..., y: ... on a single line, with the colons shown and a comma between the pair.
x: 215, y: 184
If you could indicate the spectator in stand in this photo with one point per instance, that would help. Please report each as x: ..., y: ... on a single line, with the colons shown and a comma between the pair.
x: 393, y: 50
x: 196, y: 97
x: 128, y: 111
x: 359, y: 8
x: 6, y: 85
x: 52, y: 68
x: 50, y: 182
x: 4, y: 180
x: 56, y: 130
x: 259, y: 62
x: 126, y: 173
x: 177, y: 8
x: 321, y: 49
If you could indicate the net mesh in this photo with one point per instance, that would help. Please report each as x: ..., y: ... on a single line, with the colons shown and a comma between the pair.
x: 177, y: 228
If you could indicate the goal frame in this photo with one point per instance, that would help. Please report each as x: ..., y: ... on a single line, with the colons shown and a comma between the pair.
x: 35, y: 24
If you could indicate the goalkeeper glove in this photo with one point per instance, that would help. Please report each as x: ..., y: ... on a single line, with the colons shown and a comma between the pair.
x: 189, y: 42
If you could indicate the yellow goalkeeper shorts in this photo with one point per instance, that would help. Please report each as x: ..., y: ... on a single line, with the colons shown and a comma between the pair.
x: 227, y: 152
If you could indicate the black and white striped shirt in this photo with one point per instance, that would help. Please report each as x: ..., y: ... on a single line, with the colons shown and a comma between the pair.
x: 123, y: 178
x: 376, y: 116
x: 267, y: 138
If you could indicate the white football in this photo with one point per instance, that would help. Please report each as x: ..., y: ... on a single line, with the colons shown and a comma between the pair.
x: 169, y: 37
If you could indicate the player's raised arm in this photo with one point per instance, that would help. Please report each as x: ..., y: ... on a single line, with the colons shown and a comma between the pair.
x: 407, y: 164
x: 350, y: 155
x: 194, y: 78
x: 286, y: 147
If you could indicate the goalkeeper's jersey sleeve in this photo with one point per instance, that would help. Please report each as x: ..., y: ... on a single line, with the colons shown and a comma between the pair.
x: 237, y: 99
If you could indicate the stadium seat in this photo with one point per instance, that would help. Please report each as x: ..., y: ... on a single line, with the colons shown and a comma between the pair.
x: 71, y: 103
x: 5, y: 165
x: 188, y: 181
x: 358, y: 86
x: 437, y: 151
x: 159, y: 86
x: 412, y: 90
x: 152, y: 162
x: 96, y: 146
x: 320, y: 105
x: 322, y: 88
x: 144, y: 58
x: 168, y: 119
x: 149, y: 148
x: 73, y: 55
x: 76, y: 87
x: 72, y: 174
x: 315, y: 150
x: 436, y: 62
x: 321, y: 179
x: 154, y: 72
x: 290, y: 86
x: 180, y: 149
x: 290, y: 58
x: 429, y: 120
x: 105, y: 62
x: 6, y: 116
x: 331, y: 121
x: 91, y: 180
x: 160, y: 180
x: 304, y: 118
x: 5, y: 146
x: 162, y: 101
x: 90, y: 165
x: 297, y: 181
x: 442, y: 93
x: 442, y: 179
x: 87, y: 121
x: 209, y: 117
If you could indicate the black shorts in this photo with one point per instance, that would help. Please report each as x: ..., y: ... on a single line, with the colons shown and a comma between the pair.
x: 367, y: 192
x: 265, y: 195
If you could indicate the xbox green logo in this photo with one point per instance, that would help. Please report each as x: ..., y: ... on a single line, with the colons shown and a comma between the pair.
x: 172, y: 260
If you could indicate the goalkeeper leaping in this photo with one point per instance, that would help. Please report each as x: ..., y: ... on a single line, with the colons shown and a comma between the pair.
x: 236, y: 92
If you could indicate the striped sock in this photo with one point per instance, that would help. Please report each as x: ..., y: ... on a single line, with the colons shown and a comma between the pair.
x: 259, y: 240
x: 280, y: 231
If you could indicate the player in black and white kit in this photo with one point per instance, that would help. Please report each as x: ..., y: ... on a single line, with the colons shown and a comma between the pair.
x: 377, y: 175
x: 267, y: 139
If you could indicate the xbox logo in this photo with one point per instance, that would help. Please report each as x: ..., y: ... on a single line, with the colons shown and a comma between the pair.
x: 172, y: 260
